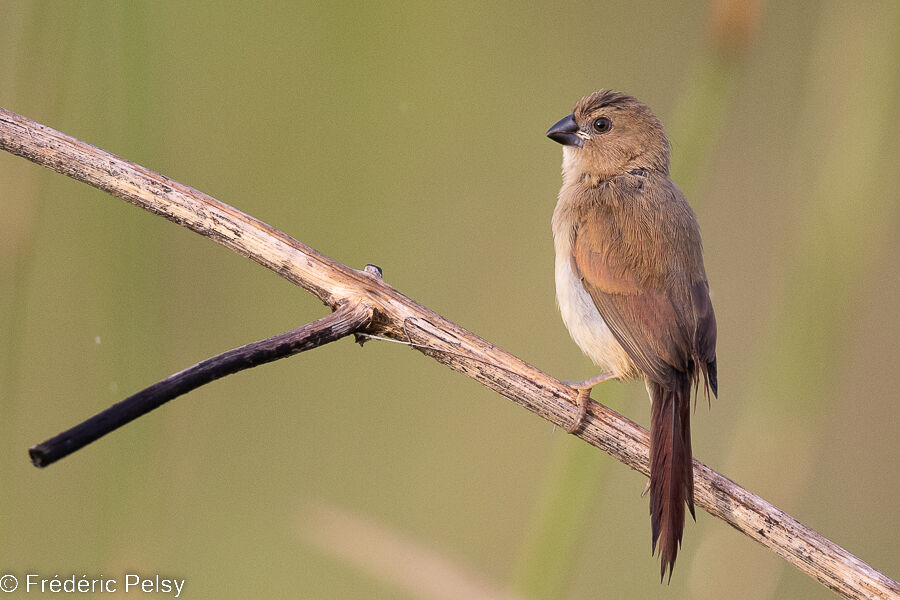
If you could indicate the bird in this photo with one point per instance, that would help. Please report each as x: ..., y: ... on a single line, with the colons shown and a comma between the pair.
x: 632, y: 288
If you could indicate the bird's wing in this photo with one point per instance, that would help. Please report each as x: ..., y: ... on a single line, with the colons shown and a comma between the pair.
x: 650, y: 290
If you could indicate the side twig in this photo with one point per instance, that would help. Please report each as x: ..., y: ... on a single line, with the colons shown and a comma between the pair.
x: 347, y: 319
x: 399, y: 317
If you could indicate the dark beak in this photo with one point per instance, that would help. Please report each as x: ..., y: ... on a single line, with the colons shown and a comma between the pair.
x: 563, y: 131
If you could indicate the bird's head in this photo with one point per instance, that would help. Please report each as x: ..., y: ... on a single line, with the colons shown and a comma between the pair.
x: 610, y: 133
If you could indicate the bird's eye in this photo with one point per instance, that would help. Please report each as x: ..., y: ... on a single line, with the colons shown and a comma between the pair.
x: 602, y: 125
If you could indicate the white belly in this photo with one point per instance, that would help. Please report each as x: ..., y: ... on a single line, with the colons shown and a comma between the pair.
x: 585, y: 324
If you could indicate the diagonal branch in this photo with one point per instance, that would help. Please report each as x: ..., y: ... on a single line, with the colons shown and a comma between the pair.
x: 399, y: 317
x: 347, y: 319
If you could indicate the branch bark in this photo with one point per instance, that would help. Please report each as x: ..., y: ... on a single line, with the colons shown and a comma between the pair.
x: 399, y: 317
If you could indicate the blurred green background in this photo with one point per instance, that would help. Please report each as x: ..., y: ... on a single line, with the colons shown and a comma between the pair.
x: 411, y: 135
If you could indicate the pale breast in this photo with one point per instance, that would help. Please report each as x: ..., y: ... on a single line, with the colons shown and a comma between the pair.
x: 581, y: 317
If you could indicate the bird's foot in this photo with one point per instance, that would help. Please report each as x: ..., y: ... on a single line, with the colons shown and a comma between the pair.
x: 584, y: 388
x: 584, y: 396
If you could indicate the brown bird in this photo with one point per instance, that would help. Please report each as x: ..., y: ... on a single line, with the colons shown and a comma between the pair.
x: 631, y: 286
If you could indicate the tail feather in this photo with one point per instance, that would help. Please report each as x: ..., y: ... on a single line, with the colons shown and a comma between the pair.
x: 671, y: 468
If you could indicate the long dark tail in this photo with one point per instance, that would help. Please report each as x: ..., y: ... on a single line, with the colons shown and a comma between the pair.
x: 671, y: 469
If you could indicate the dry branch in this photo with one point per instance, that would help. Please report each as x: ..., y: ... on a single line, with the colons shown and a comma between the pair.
x: 399, y: 317
x: 348, y: 318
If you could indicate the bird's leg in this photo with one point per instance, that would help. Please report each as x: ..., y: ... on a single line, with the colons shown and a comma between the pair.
x: 584, y: 388
x: 587, y: 384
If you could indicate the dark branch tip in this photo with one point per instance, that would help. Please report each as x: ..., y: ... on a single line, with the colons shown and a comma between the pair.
x: 38, y: 457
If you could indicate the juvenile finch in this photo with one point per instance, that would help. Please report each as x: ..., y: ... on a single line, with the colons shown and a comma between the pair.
x: 631, y: 286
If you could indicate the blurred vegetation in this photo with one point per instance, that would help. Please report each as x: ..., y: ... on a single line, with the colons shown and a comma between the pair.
x: 411, y: 136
